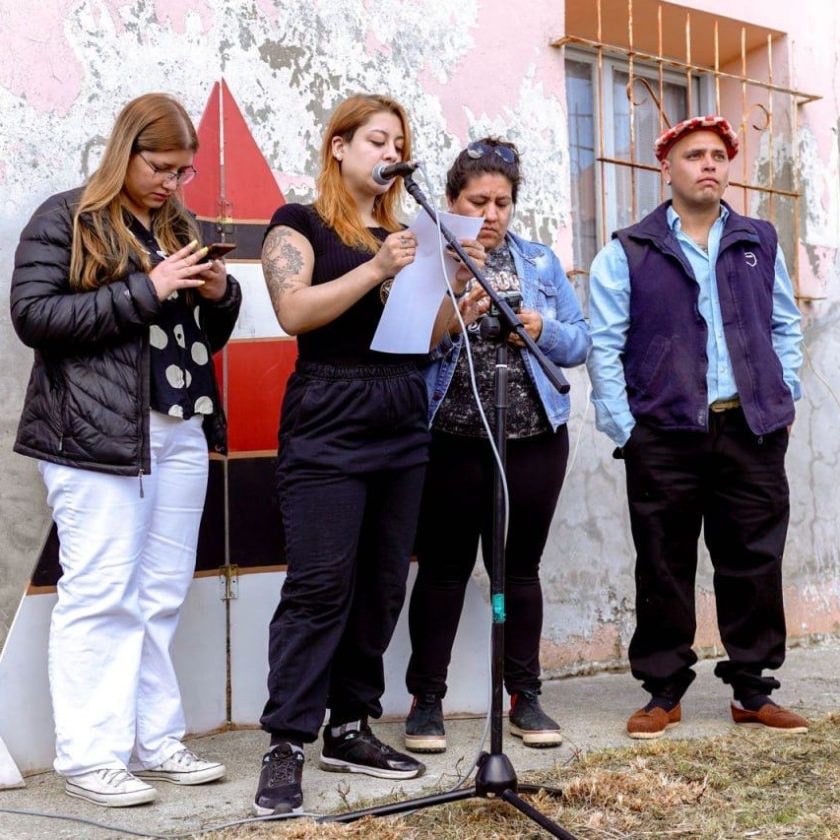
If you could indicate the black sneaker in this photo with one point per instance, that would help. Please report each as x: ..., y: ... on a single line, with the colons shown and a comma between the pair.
x: 424, y: 732
x: 357, y: 750
x: 279, y: 790
x: 530, y: 723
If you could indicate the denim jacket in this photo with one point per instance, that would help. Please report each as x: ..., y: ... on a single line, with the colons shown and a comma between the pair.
x: 564, y: 337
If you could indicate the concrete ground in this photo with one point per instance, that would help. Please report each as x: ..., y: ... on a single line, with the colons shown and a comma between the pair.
x: 592, y: 711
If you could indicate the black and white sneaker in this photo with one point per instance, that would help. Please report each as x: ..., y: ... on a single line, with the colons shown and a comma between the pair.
x: 279, y: 788
x: 424, y: 730
x: 529, y: 722
x: 355, y: 749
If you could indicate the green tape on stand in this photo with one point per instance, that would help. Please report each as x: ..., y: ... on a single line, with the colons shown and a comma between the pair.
x: 499, y: 609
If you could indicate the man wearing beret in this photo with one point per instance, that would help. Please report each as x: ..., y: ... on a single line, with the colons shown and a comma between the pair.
x: 695, y: 351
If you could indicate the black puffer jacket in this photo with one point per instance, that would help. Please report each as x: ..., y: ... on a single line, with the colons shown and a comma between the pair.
x: 87, y: 403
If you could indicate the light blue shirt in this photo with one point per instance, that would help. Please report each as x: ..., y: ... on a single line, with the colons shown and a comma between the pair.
x: 609, y: 314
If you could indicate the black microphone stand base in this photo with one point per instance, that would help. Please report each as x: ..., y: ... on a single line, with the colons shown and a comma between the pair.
x: 495, y: 779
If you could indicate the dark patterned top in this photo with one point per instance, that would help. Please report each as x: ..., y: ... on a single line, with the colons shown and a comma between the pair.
x: 181, y: 372
x: 458, y: 414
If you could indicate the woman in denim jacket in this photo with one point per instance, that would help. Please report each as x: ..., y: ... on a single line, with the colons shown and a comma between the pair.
x: 484, y: 181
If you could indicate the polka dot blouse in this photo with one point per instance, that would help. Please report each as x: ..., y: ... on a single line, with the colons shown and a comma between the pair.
x: 181, y: 374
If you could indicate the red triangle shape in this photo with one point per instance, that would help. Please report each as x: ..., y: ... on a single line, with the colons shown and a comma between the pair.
x: 232, y: 160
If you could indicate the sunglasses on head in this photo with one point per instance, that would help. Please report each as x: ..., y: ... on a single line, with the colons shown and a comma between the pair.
x: 478, y: 150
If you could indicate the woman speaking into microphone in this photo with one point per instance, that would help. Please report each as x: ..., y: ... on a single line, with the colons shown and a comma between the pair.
x: 353, y: 447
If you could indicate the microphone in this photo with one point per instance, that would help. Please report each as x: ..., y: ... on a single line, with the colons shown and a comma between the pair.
x: 383, y: 174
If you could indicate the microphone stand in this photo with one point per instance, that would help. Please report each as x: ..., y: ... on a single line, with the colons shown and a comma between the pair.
x: 495, y: 777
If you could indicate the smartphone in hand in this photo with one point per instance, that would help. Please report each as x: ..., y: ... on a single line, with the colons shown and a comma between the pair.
x: 219, y: 250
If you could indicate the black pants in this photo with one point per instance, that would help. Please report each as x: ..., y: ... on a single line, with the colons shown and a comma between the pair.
x: 457, y: 509
x: 734, y: 485
x: 350, y: 473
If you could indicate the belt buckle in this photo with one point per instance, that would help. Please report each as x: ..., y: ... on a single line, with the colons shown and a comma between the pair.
x: 719, y: 406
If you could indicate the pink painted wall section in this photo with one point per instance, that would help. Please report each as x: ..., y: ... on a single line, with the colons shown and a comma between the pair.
x: 174, y: 13
x: 577, y: 654
x: 269, y: 8
x: 294, y: 182
x: 509, y: 45
x: 38, y: 63
x: 373, y: 45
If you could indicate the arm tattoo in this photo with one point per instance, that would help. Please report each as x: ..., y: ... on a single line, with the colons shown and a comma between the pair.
x: 281, y: 263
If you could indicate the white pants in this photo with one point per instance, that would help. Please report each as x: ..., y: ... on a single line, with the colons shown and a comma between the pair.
x: 127, y: 563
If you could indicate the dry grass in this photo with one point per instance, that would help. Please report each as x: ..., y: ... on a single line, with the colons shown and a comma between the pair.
x: 749, y: 784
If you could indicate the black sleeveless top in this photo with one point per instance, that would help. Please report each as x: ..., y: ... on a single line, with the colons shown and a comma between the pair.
x: 346, y: 340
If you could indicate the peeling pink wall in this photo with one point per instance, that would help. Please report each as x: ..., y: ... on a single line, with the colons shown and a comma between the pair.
x: 460, y: 67
x: 38, y: 63
x: 487, y: 78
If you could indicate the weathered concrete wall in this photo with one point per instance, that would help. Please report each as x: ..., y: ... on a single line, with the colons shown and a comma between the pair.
x: 590, y: 600
x: 463, y: 68
x: 68, y: 66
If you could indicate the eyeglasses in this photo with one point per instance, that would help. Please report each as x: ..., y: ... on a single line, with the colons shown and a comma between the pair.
x: 478, y: 150
x: 180, y: 177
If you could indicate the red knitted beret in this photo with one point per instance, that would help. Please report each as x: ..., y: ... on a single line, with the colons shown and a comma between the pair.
x: 712, y: 122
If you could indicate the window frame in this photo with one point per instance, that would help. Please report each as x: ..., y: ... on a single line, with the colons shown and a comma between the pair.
x: 605, y: 176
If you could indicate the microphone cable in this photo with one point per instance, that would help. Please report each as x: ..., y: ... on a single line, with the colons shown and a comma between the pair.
x: 150, y: 835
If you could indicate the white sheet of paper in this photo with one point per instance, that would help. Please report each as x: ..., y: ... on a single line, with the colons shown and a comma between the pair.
x: 413, y: 303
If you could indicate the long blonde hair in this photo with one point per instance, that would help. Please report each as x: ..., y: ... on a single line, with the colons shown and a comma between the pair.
x: 102, y: 241
x: 334, y: 204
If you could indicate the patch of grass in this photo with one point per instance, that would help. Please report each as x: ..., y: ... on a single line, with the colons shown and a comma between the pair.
x: 748, y: 784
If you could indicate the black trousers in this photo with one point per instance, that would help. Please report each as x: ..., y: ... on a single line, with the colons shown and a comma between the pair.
x: 733, y: 483
x: 457, y: 509
x: 350, y: 473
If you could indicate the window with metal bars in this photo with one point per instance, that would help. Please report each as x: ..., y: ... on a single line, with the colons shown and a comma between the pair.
x: 616, y: 181
x: 634, y: 67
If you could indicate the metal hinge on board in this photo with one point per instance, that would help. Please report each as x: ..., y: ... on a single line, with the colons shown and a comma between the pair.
x: 228, y: 583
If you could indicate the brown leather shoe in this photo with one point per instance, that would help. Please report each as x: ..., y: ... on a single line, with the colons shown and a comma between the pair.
x: 652, y: 724
x: 772, y: 717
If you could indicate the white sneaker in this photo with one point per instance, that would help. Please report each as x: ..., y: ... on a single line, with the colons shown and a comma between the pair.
x: 184, y: 768
x: 110, y: 786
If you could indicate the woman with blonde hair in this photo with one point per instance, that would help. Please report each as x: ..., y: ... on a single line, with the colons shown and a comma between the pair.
x: 353, y: 448
x: 113, y: 294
